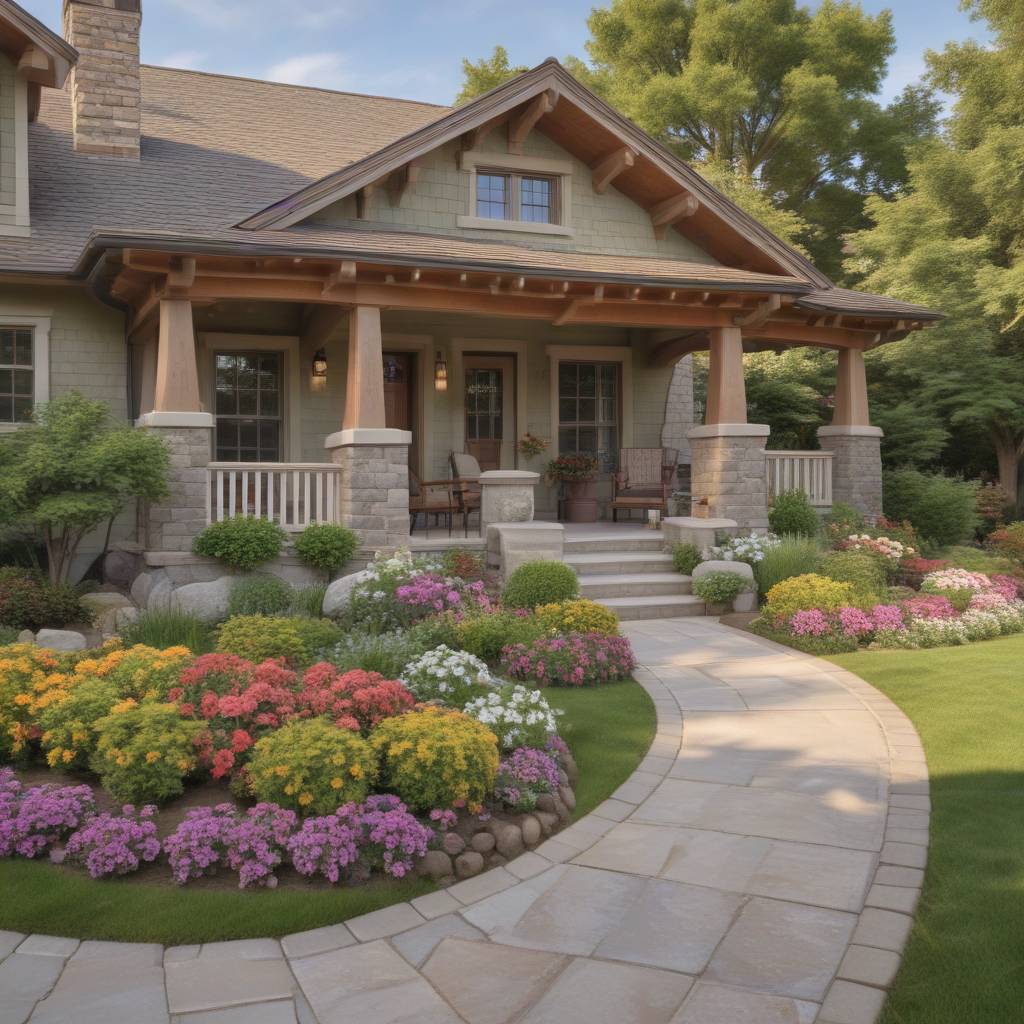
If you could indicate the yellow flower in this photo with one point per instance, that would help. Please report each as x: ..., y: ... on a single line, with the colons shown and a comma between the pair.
x: 69, y: 756
x: 356, y: 772
x: 124, y: 705
x: 53, y: 757
x: 21, y: 699
x: 153, y: 755
x: 306, y: 799
x: 183, y: 765
x: 335, y: 783
x: 281, y: 771
x: 121, y: 760
x: 289, y: 789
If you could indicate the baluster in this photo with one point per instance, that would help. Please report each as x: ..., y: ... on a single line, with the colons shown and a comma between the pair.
x: 209, y: 496
x: 318, y: 503
x: 329, y: 509
x: 271, y: 480
x: 258, y: 477
x: 305, y: 491
x: 296, y: 498
x: 284, y: 500
x: 220, y: 495
x: 232, y: 494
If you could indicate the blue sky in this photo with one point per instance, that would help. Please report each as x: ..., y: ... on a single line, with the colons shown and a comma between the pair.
x: 413, y: 49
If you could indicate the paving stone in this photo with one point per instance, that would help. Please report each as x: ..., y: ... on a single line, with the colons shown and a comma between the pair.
x: 892, y: 897
x: 505, y: 909
x: 716, y: 1004
x: 24, y: 980
x: 847, y: 1003
x: 821, y: 875
x: 616, y: 810
x: 869, y: 966
x: 418, y: 944
x: 889, y: 874
x: 631, y: 847
x: 281, y: 1011
x: 381, y: 923
x: 487, y: 884
x: 490, y: 984
x: 434, y: 904
x: 371, y: 984
x: 782, y: 949
x: 715, y: 859
x: 210, y: 983
x: 48, y: 945
x: 173, y: 954
x: 9, y: 941
x: 917, y: 803
x: 914, y: 836
x: 672, y: 925
x: 594, y: 992
x: 317, y: 940
x: 884, y: 929
x: 242, y: 949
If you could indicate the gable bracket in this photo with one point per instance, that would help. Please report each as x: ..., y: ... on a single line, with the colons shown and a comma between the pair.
x: 401, y: 180
x: 608, y: 168
x: 522, y: 122
x: 758, y: 316
x: 670, y: 211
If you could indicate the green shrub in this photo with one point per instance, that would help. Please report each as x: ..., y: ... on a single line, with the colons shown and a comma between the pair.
x: 942, y: 509
x: 312, y: 766
x: 258, y: 637
x: 386, y: 653
x: 801, y: 593
x: 537, y: 583
x: 791, y: 512
x: 434, y: 631
x: 259, y: 594
x: 792, y: 556
x: 243, y: 542
x: 318, y: 636
x: 486, y: 635
x: 467, y: 565
x: 960, y: 556
x: 144, y: 751
x: 864, y: 571
x: 69, y: 725
x: 1009, y: 541
x: 30, y: 601
x: 578, y: 616
x: 842, y: 520
x: 720, y: 587
x: 309, y: 601
x: 326, y: 546
x: 436, y: 758
x: 8, y: 635
x: 169, y: 628
x: 685, y: 558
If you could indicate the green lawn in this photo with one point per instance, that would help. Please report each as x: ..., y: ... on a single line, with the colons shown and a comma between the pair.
x: 609, y: 729
x: 965, y: 960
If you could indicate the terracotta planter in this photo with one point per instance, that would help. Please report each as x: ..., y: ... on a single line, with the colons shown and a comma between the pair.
x: 581, y: 504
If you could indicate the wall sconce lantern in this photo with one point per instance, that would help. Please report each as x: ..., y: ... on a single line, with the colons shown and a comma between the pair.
x: 440, y: 374
x: 320, y: 363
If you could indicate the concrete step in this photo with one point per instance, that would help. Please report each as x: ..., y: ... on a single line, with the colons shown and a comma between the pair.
x: 639, y: 584
x: 638, y: 540
x: 593, y: 562
x: 669, y: 606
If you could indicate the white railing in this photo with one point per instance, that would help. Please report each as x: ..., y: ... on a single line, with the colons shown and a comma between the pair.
x: 292, y: 494
x: 810, y: 472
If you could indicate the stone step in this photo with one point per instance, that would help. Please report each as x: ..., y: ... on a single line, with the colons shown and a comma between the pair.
x: 634, y: 584
x: 668, y: 606
x: 624, y: 541
x: 594, y: 562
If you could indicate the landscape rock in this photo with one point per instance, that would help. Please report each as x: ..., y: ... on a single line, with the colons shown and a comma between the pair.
x: 453, y: 843
x: 121, y: 564
x: 568, y: 797
x: 563, y: 778
x: 26, y: 636
x: 508, y: 839
x: 745, y: 602
x: 469, y: 864
x: 158, y: 596
x: 530, y: 827
x: 126, y: 617
x: 141, y: 586
x: 482, y: 842
x: 207, y: 601
x: 548, y: 821
x: 563, y: 813
x: 720, y: 565
x: 435, y: 864
x: 339, y: 593
x: 546, y: 802
x: 104, y: 607
x: 61, y: 640
x: 571, y: 768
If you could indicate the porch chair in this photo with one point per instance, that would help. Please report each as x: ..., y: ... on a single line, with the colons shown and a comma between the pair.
x: 644, y: 480
x: 466, y: 476
x: 431, y: 498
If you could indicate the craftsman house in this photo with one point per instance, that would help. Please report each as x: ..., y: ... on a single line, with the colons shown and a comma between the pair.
x: 319, y: 298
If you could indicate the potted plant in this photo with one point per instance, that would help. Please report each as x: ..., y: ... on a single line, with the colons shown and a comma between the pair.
x: 530, y: 446
x: 577, y: 472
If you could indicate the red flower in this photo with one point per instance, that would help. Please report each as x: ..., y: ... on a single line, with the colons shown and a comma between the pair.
x: 240, y: 741
x: 223, y: 762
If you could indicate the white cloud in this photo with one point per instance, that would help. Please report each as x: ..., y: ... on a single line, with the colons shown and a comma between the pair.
x: 217, y: 13
x: 326, y: 70
x: 188, y: 59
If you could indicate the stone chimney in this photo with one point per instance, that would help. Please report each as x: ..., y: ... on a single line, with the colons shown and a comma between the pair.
x: 105, y: 86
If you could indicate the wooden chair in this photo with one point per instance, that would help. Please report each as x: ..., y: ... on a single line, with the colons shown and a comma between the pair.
x: 431, y: 498
x: 644, y: 480
x: 466, y: 475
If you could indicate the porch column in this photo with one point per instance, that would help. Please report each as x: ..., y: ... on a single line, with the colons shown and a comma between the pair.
x: 854, y: 443
x: 729, y: 475
x: 373, y: 490
x: 177, y: 415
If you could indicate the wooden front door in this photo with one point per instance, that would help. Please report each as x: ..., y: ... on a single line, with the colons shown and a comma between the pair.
x: 399, y: 377
x: 489, y: 402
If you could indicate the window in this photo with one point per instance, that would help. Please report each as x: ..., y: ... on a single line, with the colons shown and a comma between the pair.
x: 518, y: 197
x: 483, y: 405
x: 588, y: 411
x: 17, y: 374
x: 248, y: 406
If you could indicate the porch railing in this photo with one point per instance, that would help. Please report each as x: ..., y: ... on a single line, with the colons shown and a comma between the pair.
x: 292, y: 494
x: 810, y: 472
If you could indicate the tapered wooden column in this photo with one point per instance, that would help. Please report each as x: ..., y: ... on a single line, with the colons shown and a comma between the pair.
x: 364, y: 391
x: 851, y: 403
x: 176, y: 388
x: 727, y: 393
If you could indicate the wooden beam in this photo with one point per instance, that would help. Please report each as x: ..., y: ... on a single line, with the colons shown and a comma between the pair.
x: 670, y: 351
x: 182, y: 273
x: 670, y: 211
x: 344, y: 274
x: 759, y: 315
x: 570, y: 308
x: 401, y: 180
x: 34, y: 66
x: 795, y: 333
x: 607, y: 169
x: 472, y: 138
x: 320, y: 323
x: 522, y: 122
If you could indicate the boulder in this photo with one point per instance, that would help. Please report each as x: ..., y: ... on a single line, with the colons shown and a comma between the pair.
x: 548, y: 821
x: 339, y: 593
x: 571, y: 768
x: 530, y: 827
x: 122, y: 563
x: 61, y: 640
x: 568, y: 797
x: 435, y: 864
x: 469, y: 864
x: 508, y: 839
x: 104, y: 607
x: 745, y: 602
x: 125, y: 617
x: 453, y: 844
x: 26, y: 636
x: 207, y: 601
x: 546, y: 802
x: 482, y: 842
x: 158, y: 596
x: 739, y: 568
x: 141, y: 586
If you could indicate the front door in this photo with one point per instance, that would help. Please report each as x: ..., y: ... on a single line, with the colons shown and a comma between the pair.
x: 489, y: 400
x: 399, y: 375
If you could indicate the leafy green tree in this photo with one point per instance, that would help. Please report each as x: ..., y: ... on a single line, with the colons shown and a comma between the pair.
x: 483, y: 75
x: 71, y: 470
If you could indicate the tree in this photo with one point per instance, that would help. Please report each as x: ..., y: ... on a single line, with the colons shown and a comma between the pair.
x: 72, y: 470
x: 486, y: 73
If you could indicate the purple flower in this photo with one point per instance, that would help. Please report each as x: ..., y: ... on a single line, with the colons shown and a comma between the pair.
x: 854, y: 622
x: 574, y: 659
x: 326, y: 845
x: 810, y: 622
x: 33, y: 819
x: 524, y: 775
x: 115, y: 845
x: 887, y: 617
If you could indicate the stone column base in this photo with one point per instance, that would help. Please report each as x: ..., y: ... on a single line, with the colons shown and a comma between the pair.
x: 172, y: 523
x: 506, y: 496
x: 856, y: 466
x: 374, y: 485
x: 729, y: 471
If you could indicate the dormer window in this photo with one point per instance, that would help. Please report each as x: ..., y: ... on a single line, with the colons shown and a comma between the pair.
x: 521, y: 197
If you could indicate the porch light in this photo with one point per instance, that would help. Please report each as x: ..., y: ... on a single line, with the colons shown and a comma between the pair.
x: 320, y: 363
x: 440, y: 374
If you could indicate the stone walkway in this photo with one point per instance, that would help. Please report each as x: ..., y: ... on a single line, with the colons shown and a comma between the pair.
x: 763, y: 871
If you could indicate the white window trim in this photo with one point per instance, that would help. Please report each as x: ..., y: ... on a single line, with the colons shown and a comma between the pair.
x: 472, y: 161
x: 40, y: 359
x: 20, y: 210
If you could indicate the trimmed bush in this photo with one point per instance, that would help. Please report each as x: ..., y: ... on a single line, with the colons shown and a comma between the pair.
x: 326, y: 546
x: 843, y: 519
x: 243, y: 542
x: 258, y: 637
x: 29, y: 601
x: 579, y: 616
x: 318, y: 636
x: 437, y: 758
x: 144, y: 751
x: 486, y: 635
x: 69, y: 726
x: 792, y: 556
x: 865, y: 573
x: 1009, y: 541
x: 259, y: 595
x: 791, y: 512
x: 386, y: 653
x: 719, y: 587
x: 801, y: 593
x: 467, y: 565
x: 685, y: 558
x: 940, y: 508
x: 536, y: 583
x: 169, y: 628
x: 312, y: 767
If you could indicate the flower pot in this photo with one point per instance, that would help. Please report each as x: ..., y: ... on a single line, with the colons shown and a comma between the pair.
x: 581, y: 504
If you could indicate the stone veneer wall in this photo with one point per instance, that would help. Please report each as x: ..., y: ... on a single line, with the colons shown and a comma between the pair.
x: 730, y: 470
x: 856, y: 466
x: 374, y: 493
x: 679, y: 409
x: 172, y: 523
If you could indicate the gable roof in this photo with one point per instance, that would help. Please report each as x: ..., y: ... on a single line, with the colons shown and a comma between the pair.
x: 590, y: 128
x: 19, y: 31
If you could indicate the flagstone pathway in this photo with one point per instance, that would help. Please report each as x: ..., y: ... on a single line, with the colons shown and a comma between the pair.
x: 762, y: 871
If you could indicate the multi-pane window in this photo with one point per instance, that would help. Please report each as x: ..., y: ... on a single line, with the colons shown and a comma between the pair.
x: 523, y: 197
x: 588, y: 411
x: 17, y: 374
x: 248, y: 406
x: 483, y: 405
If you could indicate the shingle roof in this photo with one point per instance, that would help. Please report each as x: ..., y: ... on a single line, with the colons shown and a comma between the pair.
x: 844, y: 300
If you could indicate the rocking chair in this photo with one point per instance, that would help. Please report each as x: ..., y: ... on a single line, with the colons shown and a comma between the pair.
x: 644, y: 480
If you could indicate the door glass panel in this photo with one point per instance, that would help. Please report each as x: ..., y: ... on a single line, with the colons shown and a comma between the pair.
x: 483, y: 404
x: 587, y: 423
x: 248, y: 406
